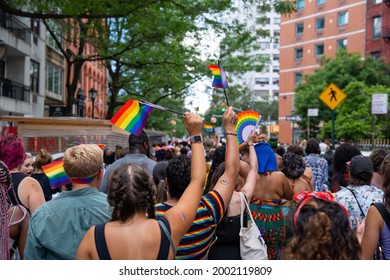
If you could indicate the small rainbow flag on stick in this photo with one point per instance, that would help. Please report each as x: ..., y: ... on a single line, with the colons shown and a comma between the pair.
x: 132, y: 116
x: 220, y: 80
x: 208, y: 127
x: 56, y: 173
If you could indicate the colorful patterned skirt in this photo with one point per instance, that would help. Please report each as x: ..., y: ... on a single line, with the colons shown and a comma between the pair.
x: 271, y: 222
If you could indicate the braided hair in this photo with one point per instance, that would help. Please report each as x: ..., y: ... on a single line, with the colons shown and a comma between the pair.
x: 5, y: 181
x: 131, y: 191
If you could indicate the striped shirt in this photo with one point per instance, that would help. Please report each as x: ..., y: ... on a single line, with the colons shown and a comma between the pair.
x: 196, y: 243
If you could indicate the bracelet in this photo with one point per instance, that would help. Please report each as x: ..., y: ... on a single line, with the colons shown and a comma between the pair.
x: 231, y: 133
x: 250, y: 144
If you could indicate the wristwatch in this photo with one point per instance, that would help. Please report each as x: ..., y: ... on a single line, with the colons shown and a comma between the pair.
x: 196, y: 139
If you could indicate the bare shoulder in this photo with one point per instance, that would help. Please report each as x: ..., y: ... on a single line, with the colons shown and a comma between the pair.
x: 279, y: 175
x: 29, y: 182
x: 308, y: 172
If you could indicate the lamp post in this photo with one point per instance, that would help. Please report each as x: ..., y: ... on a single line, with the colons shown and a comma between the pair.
x: 92, y: 95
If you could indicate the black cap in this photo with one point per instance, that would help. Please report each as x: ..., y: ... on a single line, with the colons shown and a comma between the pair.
x: 361, y: 167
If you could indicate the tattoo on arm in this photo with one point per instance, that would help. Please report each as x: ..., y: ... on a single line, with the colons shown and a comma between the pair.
x: 36, y: 188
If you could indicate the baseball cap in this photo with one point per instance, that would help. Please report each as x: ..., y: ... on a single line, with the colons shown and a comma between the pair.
x: 360, y: 167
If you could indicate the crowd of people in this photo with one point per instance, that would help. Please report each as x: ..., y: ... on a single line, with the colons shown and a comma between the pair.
x: 182, y: 200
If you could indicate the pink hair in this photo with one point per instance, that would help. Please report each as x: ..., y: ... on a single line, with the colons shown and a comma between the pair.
x: 12, y: 152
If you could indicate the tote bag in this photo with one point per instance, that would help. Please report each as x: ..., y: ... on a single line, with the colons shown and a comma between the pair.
x: 252, y: 245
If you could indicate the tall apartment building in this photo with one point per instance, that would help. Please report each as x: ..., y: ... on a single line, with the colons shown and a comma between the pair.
x: 318, y: 28
x: 22, y: 64
x: 265, y: 84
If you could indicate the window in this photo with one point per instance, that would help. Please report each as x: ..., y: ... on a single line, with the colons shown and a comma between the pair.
x: 264, y: 45
x: 276, y: 45
x: 275, y: 69
x: 342, y: 18
x: 377, y: 27
x: 261, y: 93
x: 342, y: 43
x: 320, y: 2
x: 299, y: 28
x: 320, y: 23
x: 298, y: 53
x: 319, y: 49
x: 277, y: 21
x: 275, y: 93
x: 56, y: 28
x: 54, y: 78
x: 263, y: 20
x: 262, y: 81
x: 275, y: 81
x: 298, y: 77
x: 35, y: 26
x: 265, y: 69
x: 2, y: 69
x: 275, y: 57
x: 376, y: 55
x: 34, y: 76
x: 300, y: 4
x: 276, y: 33
x: 265, y: 57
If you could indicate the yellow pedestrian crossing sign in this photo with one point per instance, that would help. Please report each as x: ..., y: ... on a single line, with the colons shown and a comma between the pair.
x: 332, y: 96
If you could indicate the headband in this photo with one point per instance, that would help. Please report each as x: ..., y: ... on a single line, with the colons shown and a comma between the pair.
x: 84, y: 180
x: 304, y: 196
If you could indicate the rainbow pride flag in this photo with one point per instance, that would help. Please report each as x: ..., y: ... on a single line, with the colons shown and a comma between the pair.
x: 208, y: 127
x: 56, y: 173
x: 220, y: 80
x: 132, y: 117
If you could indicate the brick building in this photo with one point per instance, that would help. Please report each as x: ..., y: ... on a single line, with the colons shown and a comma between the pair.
x: 318, y: 28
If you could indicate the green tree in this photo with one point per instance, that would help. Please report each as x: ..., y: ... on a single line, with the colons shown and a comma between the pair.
x: 354, y: 76
x: 144, y: 44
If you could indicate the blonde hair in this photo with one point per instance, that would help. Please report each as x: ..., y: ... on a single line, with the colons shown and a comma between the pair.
x: 83, y: 161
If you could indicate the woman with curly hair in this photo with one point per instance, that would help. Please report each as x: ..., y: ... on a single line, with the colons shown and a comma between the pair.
x: 294, y: 168
x: 376, y: 230
x: 321, y: 230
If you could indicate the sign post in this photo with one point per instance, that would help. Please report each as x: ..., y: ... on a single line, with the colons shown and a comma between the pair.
x: 293, y: 118
x: 332, y: 96
x: 379, y: 105
x: 311, y: 112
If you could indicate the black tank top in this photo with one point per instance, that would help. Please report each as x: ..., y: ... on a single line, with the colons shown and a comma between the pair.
x: 17, y: 177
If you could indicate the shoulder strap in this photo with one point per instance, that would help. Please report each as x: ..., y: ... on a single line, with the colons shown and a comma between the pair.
x: 245, y: 209
x: 100, y: 242
x: 306, y: 179
x: 383, y: 211
x: 361, y: 210
x: 163, y: 252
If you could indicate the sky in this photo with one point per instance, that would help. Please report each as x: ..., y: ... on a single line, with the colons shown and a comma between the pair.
x: 209, y: 48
